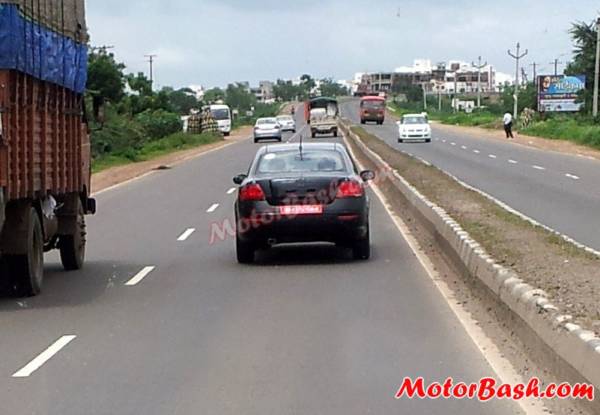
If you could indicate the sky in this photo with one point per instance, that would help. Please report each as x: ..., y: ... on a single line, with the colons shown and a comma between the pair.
x: 216, y: 42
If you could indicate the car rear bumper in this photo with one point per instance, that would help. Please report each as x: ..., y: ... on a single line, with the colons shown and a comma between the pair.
x: 324, y: 129
x: 333, y: 228
x: 266, y: 135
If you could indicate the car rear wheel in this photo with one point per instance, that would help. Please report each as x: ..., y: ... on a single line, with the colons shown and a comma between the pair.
x: 363, y: 122
x: 361, y: 250
x: 72, y: 247
x: 244, y: 251
x: 335, y: 133
x: 314, y: 134
x: 428, y: 140
x: 400, y: 140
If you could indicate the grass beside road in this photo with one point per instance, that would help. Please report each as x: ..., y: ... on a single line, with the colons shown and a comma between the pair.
x: 154, y: 149
x: 576, y: 128
x: 541, y: 258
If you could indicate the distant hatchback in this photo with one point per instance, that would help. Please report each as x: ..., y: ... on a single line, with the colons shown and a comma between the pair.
x: 414, y: 127
x: 287, y: 123
x: 267, y: 129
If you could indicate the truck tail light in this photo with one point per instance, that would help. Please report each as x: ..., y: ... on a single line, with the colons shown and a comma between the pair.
x: 252, y: 193
x: 350, y: 188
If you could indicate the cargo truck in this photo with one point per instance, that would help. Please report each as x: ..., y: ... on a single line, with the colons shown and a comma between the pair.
x: 44, y: 143
x: 322, y: 115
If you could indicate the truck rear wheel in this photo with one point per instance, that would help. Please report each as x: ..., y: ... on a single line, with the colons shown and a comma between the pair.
x: 27, y: 270
x: 72, y: 247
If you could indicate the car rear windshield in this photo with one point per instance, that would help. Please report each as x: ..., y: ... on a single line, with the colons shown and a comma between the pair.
x: 294, y: 162
x: 372, y: 104
x: 220, y: 114
x: 264, y: 121
x: 414, y: 120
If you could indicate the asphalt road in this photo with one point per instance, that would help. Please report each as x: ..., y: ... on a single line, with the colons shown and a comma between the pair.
x: 304, y: 331
x: 558, y: 190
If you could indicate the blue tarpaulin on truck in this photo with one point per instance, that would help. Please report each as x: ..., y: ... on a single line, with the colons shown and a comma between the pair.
x: 38, y: 51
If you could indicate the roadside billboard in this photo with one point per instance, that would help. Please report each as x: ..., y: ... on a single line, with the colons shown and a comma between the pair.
x: 558, y: 93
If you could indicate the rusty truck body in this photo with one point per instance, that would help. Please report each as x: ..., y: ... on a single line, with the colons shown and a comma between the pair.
x: 44, y: 143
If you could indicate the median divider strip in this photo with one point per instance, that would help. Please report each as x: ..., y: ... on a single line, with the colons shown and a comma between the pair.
x: 572, y: 348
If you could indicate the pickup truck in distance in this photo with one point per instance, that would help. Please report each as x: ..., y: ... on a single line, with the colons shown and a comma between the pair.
x: 322, y: 115
x: 44, y: 144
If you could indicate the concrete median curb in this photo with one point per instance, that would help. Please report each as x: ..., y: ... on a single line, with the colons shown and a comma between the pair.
x: 575, y: 346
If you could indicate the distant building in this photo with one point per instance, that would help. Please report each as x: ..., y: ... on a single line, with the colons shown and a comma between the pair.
x: 264, y: 92
x: 445, y: 77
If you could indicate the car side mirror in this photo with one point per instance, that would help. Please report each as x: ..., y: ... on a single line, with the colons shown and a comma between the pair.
x: 239, y: 179
x: 367, y: 175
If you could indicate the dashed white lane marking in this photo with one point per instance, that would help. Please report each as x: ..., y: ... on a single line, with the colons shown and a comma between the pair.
x: 443, y: 141
x: 231, y: 191
x: 535, y: 166
x: 572, y: 176
x: 513, y: 161
x: 140, y: 276
x: 476, y: 151
x: 492, y: 156
x: 452, y: 144
x: 184, y: 236
x: 43, y: 357
x: 213, y: 208
x: 463, y: 147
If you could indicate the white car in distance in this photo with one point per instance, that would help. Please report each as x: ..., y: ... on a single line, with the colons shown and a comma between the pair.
x: 414, y: 127
x: 287, y: 123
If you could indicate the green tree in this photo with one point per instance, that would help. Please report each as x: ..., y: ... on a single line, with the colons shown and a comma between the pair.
x: 584, y: 38
x: 106, y: 81
x: 331, y: 88
x: 140, y: 84
x: 183, y: 100
x: 213, y: 95
x: 527, y: 98
x: 285, y: 90
x: 237, y: 96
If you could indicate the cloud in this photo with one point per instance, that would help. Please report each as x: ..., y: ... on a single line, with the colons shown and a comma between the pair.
x: 214, y: 42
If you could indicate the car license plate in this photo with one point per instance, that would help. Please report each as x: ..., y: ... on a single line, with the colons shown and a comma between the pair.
x: 301, y: 210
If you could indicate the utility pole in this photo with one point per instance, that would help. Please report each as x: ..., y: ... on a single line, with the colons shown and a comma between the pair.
x: 556, y: 62
x: 479, y: 67
x: 535, y: 71
x: 597, y: 70
x: 151, y: 62
x: 517, y: 57
x: 424, y: 96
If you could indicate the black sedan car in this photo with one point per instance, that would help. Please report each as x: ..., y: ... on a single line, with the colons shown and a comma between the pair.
x: 302, y: 193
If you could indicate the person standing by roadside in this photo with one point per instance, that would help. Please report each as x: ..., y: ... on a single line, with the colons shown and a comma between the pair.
x: 508, y: 122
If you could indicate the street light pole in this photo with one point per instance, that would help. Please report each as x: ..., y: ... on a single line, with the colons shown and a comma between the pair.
x: 597, y: 69
x: 517, y: 57
x: 479, y: 67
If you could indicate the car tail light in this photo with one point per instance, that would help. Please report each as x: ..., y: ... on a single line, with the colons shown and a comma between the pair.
x: 350, y: 188
x: 252, y: 193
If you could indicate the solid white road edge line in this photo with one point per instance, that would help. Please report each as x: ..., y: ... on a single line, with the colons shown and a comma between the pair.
x: 140, y: 276
x: 488, y: 349
x: 186, y: 235
x: 213, y: 208
x: 43, y: 357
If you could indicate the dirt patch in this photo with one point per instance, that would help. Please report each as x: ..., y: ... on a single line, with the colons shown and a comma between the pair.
x: 120, y: 174
x: 569, y: 275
